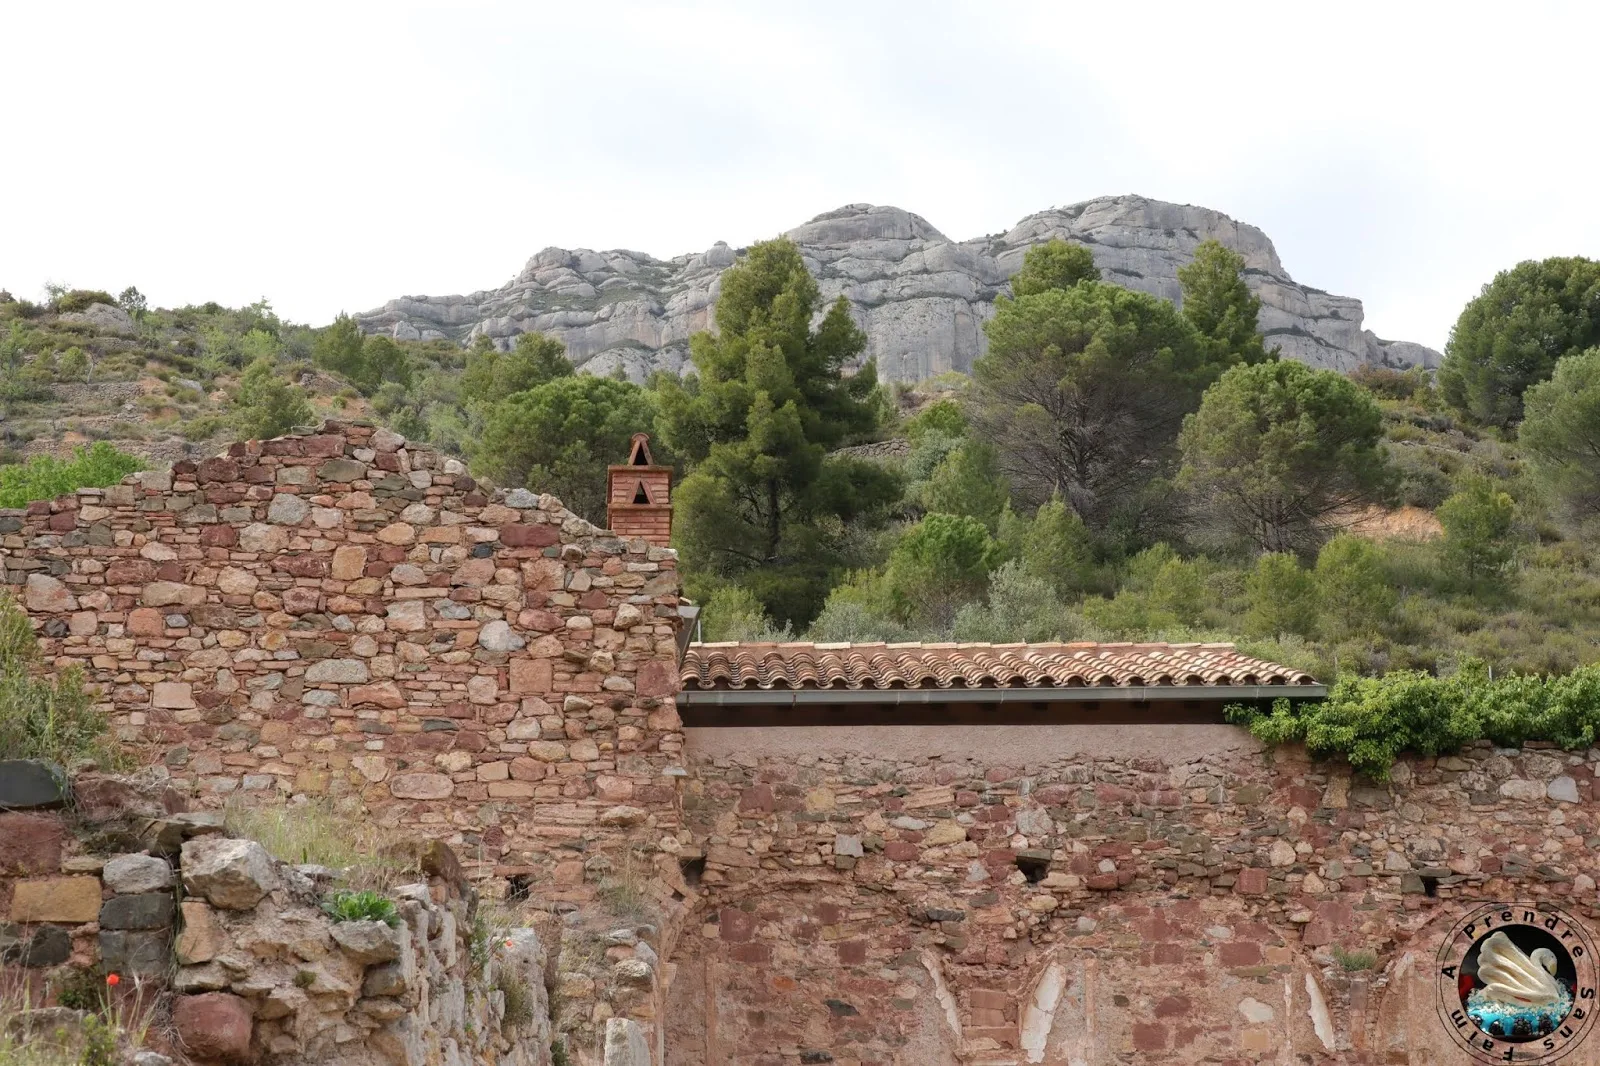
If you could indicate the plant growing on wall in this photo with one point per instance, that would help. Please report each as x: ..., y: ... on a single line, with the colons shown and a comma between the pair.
x: 347, y: 906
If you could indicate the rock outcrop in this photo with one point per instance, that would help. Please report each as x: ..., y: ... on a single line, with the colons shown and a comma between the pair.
x: 921, y: 297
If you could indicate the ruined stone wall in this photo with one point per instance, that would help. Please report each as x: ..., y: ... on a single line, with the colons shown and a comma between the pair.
x: 345, y: 614
x: 860, y: 905
x: 101, y: 878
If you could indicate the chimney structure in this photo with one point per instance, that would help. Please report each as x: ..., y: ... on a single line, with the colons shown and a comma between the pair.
x: 639, y: 496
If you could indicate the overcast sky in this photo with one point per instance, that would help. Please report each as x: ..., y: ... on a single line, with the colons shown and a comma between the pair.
x: 332, y: 156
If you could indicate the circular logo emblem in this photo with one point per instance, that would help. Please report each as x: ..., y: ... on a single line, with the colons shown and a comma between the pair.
x: 1517, y: 983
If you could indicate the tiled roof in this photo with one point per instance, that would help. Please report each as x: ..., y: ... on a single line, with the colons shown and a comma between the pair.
x: 745, y: 666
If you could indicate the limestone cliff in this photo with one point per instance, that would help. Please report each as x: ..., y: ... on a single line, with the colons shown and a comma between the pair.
x: 921, y: 297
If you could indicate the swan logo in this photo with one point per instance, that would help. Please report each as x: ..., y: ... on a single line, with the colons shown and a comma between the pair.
x: 1517, y: 983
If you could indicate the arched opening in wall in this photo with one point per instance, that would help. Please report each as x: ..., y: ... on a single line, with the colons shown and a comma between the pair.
x: 518, y: 888
x: 693, y: 870
x: 1034, y: 865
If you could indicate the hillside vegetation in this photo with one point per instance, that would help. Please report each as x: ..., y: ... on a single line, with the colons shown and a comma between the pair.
x: 1114, y: 469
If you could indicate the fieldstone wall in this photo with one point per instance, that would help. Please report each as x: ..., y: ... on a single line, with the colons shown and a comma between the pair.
x: 1085, y: 910
x: 255, y: 969
x: 344, y: 613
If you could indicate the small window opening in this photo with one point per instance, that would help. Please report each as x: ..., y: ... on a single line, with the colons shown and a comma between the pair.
x: 693, y: 870
x: 639, y: 495
x: 1430, y: 886
x: 640, y: 458
x: 1033, y: 867
x: 518, y: 888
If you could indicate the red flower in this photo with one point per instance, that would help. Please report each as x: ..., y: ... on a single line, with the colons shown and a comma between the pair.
x: 112, y: 979
x: 509, y: 944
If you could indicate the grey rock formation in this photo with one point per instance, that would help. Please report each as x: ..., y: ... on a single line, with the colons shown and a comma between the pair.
x: 921, y: 297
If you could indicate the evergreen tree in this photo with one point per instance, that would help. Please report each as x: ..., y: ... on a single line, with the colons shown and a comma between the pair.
x: 1354, y: 591
x: 1082, y: 392
x: 1055, y: 264
x: 492, y: 375
x: 559, y: 438
x: 1512, y: 334
x: 1282, y: 597
x: 1561, y: 435
x: 763, y: 504
x: 1278, y: 450
x: 1220, y: 305
x: 265, y: 405
x: 1477, y: 523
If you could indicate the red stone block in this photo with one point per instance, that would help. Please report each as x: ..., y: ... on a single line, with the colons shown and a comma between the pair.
x: 901, y: 851
x: 1149, y: 1036
x: 219, y: 536
x: 1168, y: 954
x: 853, y: 952
x: 829, y: 913
x: 1172, y: 1006
x: 967, y: 799
x: 322, y: 446
x: 736, y: 925
x: 1235, y: 953
x: 1252, y: 881
x: 130, y: 572
x: 218, y: 469
x: 1102, y: 882
x: 754, y: 954
x: 517, y: 535
x: 215, y: 1025
x: 30, y: 843
x: 66, y: 520
x: 756, y: 800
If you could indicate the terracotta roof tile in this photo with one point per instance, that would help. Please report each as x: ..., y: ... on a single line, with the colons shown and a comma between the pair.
x: 738, y: 665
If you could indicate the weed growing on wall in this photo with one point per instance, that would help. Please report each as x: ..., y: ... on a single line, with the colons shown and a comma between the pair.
x: 48, y: 717
x: 1370, y: 721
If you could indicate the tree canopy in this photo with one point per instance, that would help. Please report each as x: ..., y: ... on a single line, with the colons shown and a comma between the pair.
x: 561, y: 436
x: 1055, y: 264
x: 1220, y: 305
x: 1512, y: 334
x: 769, y: 399
x: 492, y: 375
x: 265, y: 405
x: 1278, y: 450
x: 1561, y: 435
x: 1082, y: 393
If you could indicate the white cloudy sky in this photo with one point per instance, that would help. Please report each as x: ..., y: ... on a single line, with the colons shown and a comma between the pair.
x: 331, y: 156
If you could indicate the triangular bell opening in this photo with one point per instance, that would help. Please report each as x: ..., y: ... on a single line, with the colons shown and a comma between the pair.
x: 640, y: 495
x: 641, y: 450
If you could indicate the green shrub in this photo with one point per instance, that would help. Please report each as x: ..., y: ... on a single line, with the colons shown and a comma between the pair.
x: 1351, y: 961
x: 82, y: 300
x: 349, y: 906
x: 1371, y: 721
x: 45, y: 477
x: 46, y: 716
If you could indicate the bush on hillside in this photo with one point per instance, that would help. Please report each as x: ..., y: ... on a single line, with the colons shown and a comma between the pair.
x: 46, y: 716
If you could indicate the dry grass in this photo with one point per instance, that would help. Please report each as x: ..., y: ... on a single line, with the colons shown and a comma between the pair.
x: 321, y: 834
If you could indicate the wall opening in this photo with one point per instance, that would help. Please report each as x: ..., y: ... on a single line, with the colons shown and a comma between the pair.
x: 693, y: 870
x: 1430, y: 886
x: 519, y: 887
x: 1033, y: 866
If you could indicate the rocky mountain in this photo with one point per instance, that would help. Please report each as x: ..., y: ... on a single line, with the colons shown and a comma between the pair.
x: 921, y: 297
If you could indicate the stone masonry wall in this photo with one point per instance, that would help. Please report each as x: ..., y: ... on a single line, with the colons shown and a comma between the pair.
x: 1090, y: 910
x: 235, y: 948
x: 344, y: 613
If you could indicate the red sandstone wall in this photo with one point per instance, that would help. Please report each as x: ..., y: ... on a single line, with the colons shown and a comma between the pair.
x: 860, y: 909
x: 345, y: 613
